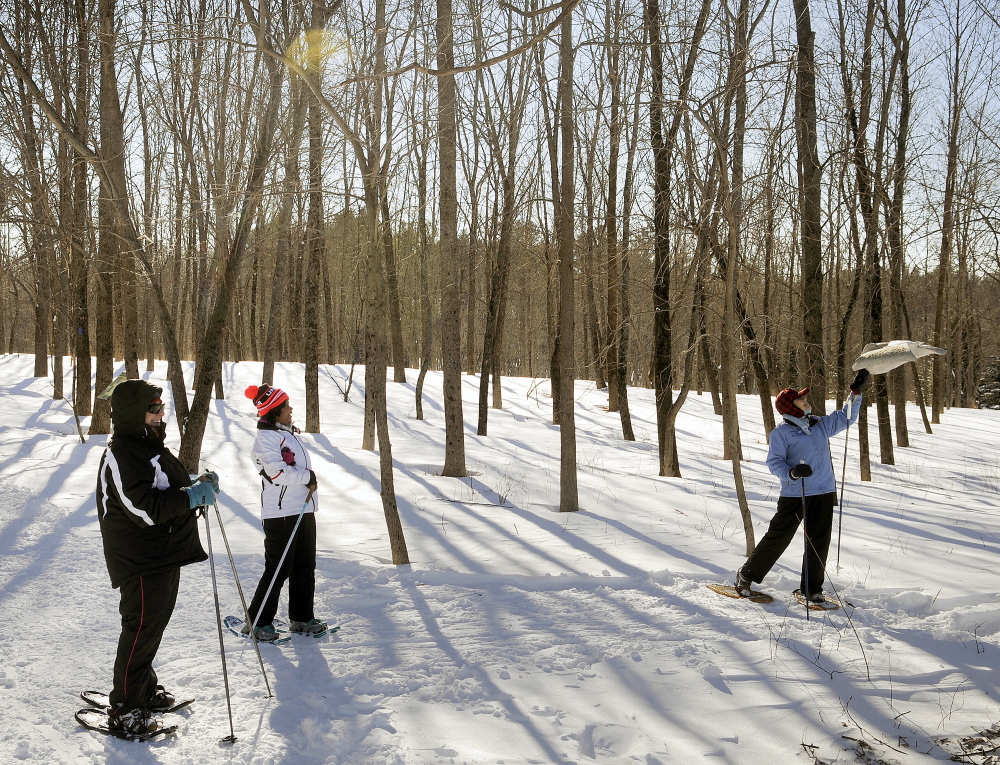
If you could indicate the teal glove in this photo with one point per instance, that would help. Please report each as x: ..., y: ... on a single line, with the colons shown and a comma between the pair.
x: 213, y: 478
x: 200, y: 494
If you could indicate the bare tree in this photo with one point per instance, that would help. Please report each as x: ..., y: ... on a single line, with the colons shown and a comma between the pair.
x: 374, y: 325
x: 421, y: 142
x: 210, y: 347
x: 810, y: 203
x: 613, y: 355
x: 569, y: 500
x: 110, y: 170
x: 663, y: 139
x: 955, y: 55
x: 315, y: 227
x: 504, y: 144
x: 283, y: 225
x: 451, y: 309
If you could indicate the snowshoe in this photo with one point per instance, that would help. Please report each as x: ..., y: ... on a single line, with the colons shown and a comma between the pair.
x: 817, y: 601
x: 731, y: 592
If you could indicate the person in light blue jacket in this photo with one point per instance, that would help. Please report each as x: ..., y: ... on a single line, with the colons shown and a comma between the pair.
x: 799, y: 455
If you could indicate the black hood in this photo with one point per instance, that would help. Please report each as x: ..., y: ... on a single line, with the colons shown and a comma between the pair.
x: 129, y: 403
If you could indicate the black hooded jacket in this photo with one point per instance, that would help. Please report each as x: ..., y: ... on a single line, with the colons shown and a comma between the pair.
x: 146, y: 521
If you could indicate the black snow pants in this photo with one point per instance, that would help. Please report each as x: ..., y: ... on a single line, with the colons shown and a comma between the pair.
x: 781, y: 532
x: 147, y: 603
x: 299, y: 569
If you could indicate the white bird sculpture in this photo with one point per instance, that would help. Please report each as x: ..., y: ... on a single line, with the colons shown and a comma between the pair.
x: 879, y: 358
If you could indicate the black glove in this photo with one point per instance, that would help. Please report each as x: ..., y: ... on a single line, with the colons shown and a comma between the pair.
x: 801, y: 470
x: 312, y: 485
x: 860, y: 380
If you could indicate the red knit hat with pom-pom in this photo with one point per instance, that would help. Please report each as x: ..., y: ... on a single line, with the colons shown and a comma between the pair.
x: 265, y: 397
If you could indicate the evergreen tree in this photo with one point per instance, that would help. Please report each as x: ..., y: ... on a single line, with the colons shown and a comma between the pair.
x: 988, y: 395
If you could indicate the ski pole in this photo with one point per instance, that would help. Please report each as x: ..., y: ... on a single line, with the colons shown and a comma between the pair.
x: 277, y: 571
x: 231, y: 738
x: 243, y: 600
x: 805, y: 559
x: 843, y: 480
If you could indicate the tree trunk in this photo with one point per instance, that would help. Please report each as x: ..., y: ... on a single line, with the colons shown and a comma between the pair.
x: 103, y: 320
x: 894, y: 232
x: 733, y: 193
x: 613, y: 354
x: 76, y: 302
x: 550, y: 117
x: 392, y: 285
x: 709, y: 366
x: 955, y: 108
x: 857, y: 277
x: 663, y: 146
x: 376, y: 314
x: 859, y: 121
x: 626, y: 272
x: 426, y: 314
x: 283, y: 225
x: 498, y: 292
x: 471, y: 296
x: 661, y: 363
x: 315, y: 226
x: 451, y: 307
x: 125, y: 270
x: 488, y: 362
x: 376, y: 366
x: 810, y: 205
x: 569, y: 500
x: 43, y: 255
x: 592, y: 317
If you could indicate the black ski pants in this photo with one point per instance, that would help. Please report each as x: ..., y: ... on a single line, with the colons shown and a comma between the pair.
x: 781, y: 532
x: 299, y: 569
x: 147, y: 602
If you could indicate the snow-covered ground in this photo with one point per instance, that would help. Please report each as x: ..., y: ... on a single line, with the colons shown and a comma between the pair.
x: 519, y: 634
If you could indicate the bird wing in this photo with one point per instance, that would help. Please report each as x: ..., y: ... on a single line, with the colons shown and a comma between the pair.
x: 884, y: 359
x: 924, y: 349
x: 872, y: 347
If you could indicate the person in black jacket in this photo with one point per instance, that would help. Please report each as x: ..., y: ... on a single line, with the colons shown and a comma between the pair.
x: 146, y: 506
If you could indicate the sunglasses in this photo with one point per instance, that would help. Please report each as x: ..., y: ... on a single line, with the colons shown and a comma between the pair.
x: 155, y: 408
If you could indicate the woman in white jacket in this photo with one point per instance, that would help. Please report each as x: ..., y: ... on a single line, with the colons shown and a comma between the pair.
x: 288, y: 487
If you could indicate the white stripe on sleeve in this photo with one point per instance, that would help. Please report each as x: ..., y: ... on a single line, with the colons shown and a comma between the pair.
x: 117, y: 477
x: 102, y: 497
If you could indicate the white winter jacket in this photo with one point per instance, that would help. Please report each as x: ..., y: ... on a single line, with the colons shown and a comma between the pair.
x: 283, y: 481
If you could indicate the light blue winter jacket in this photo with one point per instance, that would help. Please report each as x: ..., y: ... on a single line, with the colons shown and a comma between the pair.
x: 807, y: 440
